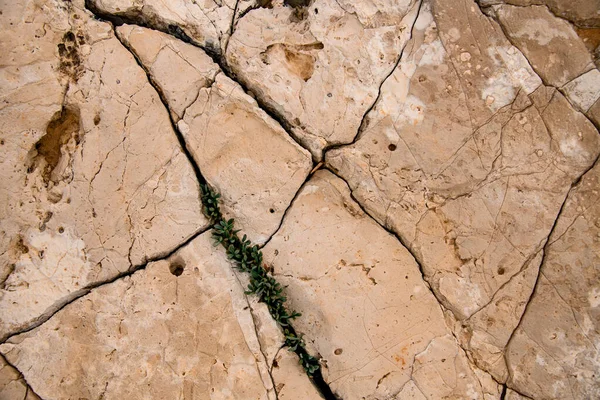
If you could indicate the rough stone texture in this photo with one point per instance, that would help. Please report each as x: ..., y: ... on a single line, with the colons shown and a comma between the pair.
x: 365, y: 307
x: 208, y: 23
x: 583, y: 13
x: 179, y: 69
x: 471, y: 176
x: 550, y: 44
x: 584, y: 93
x: 320, y: 67
x: 12, y: 384
x: 240, y: 150
x: 94, y: 181
x: 178, y: 329
x: 555, y: 351
x: 445, y: 132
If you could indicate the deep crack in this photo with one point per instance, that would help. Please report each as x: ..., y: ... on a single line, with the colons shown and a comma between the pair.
x: 28, y: 387
x: 82, y: 292
x: 177, y: 32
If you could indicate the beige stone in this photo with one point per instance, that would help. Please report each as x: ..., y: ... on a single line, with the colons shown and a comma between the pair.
x: 550, y: 44
x: 320, y: 67
x: 178, y: 329
x: 472, y: 185
x: 208, y: 23
x: 241, y: 151
x: 583, y: 13
x: 584, y: 91
x: 179, y: 69
x: 554, y: 352
x: 93, y: 181
x: 365, y: 308
x: 12, y: 384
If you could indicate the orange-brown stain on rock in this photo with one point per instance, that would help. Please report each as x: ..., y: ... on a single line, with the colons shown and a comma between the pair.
x: 63, y: 126
x: 298, y: 59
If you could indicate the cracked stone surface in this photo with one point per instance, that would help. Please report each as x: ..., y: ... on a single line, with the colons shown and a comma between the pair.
x: 178, y: 328
x: 320, y: 67
x: 12, y: 385
x: 206, y: 22
x: 471, y: 177
x: 582, y: 13
x: 365, y: 307
x: 555, y: 350
x: 550, y: 44
x: 424, y: 176
x: 94, y: 179
x: 240, y: 150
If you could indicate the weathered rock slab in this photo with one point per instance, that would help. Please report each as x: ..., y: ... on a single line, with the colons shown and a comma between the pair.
x: 181, y: 328
x: 320, y: 67
x: 94, y: 181
x: 551, y: 44
x: 468, y: 158
x: 241, y: 151
x: 554, y: 352
x: 366, y: 309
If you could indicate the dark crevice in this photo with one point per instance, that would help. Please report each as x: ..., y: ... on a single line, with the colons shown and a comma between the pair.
x: 364, y: 121
x: 308, y: 177
x: 82, y: 292
x: 139, y: 19
x: 389, y: 231
x: 28, y: 388
x: 317, y: 378
x: 503, y: 393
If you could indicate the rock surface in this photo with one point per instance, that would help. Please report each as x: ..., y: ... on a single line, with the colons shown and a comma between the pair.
x: 365, y: 307
x: 550, y: 44
x: 473, y: 177
x: 12, y: 384
x: 424, y: 176
x: 583, y: 13
x: 240, y: 150
x: 178, y: 329
x: 320, y: 67
x: 94, y: 179
x: 554, y: 351
x: 206, y: 22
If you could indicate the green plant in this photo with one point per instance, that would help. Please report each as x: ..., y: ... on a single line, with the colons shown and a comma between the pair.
x: 248, y: 258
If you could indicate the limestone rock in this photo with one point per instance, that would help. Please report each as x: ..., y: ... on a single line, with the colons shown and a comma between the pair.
x: 469, y: 160
x: 178, y: 329
x: 320, y: 66
x: 208, y: 23
x: 93, y: 181
x: 583, y: 13
x: 550, y: 44
x: 554, y: 352
x: 584, y: 93
x: 12, y: 384
x: 179, y: 69
x: 241, y: 151
x: 366, y: 309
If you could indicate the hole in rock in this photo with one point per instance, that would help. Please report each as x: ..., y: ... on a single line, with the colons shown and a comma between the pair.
x: 177, y: 266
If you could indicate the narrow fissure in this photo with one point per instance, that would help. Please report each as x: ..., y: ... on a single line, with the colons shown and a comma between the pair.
x: 317, y: 377
x: 82, y: 292
x: 215, y: 54
x: 543, y: 260
x: 363, y: 122
x: 28, y: 388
